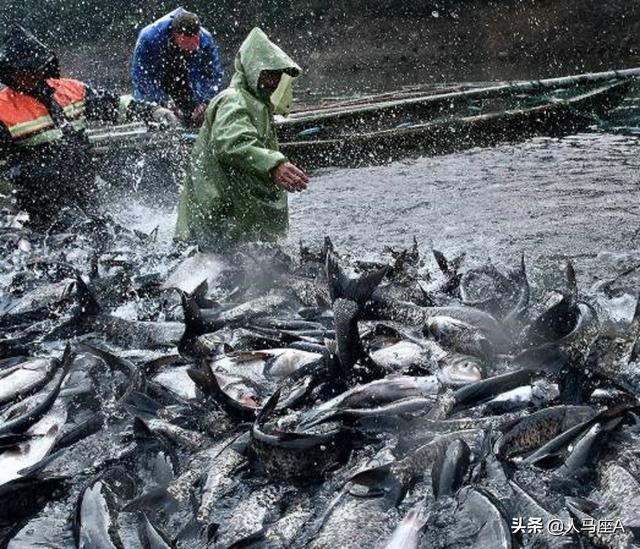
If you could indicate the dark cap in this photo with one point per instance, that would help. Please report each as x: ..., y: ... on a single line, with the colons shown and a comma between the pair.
x: 186, y: 23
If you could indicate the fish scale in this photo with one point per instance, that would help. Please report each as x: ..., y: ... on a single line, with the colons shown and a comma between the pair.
x: 264, y: 456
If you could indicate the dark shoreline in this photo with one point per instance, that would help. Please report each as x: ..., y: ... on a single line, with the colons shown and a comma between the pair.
x: 349, y: 51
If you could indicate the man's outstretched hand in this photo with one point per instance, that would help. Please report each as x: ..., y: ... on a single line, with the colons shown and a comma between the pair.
x: 290, y: 177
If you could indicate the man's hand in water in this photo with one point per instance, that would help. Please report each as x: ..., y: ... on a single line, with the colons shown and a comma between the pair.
x: 289, y: 177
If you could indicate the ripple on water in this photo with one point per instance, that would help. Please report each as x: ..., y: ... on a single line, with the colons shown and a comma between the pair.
x: 548, y: 197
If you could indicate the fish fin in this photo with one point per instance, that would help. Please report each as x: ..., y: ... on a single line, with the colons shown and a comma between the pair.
x: 88, y: 303
x: 442, y: 262
x: 141, y: 429
x: 201, y: 379
x: 200, y: 293
x: 140, y: 405
x: 67, y: 358
x: 208, y: 383
x: 524, y: 281
x: 331, y: 346
x: 358, y: 290
x: 194, y: 324
x: 269, y: 407
x: 380, y: 481
x: 636, y: 311
x: 570, y: 274
x: 327, y: 246
x: 146, y: 527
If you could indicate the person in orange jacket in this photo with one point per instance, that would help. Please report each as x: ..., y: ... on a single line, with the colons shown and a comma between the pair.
x: 47, y: 156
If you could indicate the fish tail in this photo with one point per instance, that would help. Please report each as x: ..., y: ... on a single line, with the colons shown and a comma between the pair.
x: 194, y: 324
x: 359, y: 290
x: 88, y: 303
x: 380, y: 481
x: 141, y: 406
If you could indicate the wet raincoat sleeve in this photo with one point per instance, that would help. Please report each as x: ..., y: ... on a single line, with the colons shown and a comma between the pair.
x: 146, y: 69
x: 235, y: 141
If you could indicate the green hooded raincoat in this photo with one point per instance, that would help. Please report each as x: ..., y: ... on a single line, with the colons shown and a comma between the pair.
x: 228, y: 195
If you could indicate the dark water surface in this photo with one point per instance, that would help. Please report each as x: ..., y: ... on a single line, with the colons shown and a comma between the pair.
x: 576, y: 197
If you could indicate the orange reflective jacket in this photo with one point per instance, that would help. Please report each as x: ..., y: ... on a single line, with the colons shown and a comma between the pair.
x: 28, y: 120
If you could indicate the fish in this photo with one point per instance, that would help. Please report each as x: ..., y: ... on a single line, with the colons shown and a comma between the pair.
x: 375, y: 393
x: 449, y: 468
x: 348, y: 296
x: 402, y: 356
x: 22, y: 497
x: 22, y: 415
x: 562, y: 440
x: 407, y: 533
x: 219, y: 480
x: 525, y: 506
x: 96, y: 518
x: 477, y: 520
x: 540, y: 427
x: 17, y: 461
x: 207, y: 381
x: 393, y: 480
x: 151, y: 535
x: 297, y: 454
x: 25, y: 378
x: 450, y: 269
x: 458, y: 370
x: 475, y: 393
x: 355, y: 521
x: 459, y: 337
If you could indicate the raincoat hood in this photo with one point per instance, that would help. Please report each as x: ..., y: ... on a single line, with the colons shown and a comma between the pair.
x: 257, y: 53
x: 23, y: 51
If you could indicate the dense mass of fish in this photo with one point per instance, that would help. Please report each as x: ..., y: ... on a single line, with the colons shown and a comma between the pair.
x: 154, y: 399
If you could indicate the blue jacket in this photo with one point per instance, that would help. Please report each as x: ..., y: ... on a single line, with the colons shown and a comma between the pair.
x: 151, y: 49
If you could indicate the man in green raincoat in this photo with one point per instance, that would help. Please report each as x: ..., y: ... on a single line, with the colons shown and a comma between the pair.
x: 237, y: 180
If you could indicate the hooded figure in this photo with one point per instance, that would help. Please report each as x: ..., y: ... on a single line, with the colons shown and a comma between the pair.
x: 22, y: 51
x: 230, y: 195
x: 44, y: 151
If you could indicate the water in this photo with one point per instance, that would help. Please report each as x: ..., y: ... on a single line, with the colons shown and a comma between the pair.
x: 575, y: 197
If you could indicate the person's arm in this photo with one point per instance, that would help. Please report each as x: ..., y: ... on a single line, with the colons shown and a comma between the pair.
x: 235, y: 141
x: 144, y: 72
x: 212, y: 72
x: 108, y: 106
